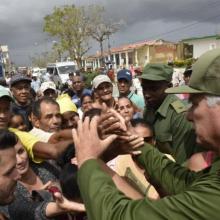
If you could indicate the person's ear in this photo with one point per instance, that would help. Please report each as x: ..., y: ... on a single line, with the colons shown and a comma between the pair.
x: 36, y: 123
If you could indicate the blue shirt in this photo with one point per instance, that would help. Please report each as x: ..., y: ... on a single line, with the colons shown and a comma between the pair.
x: 137, y: 100
x: 76, y: 98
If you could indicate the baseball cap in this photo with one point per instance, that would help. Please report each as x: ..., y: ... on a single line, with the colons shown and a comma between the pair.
x: 5, y: 93
x: 157, y: 72
x: 47, y: 85
x: 100, y: 79
x: 205, y: 75
x: 124, y: 74
x: 18, y: 78
x: 66, y: 104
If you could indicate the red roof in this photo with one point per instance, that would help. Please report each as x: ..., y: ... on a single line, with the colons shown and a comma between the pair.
x: 131, y: 46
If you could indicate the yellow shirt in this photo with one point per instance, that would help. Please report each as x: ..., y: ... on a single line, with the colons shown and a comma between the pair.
x: 28, y: 140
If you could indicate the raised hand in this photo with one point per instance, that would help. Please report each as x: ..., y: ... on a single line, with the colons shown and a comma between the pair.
x: 87, y: 142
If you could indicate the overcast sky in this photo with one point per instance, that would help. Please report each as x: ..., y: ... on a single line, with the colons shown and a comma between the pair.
x: 21, y: 22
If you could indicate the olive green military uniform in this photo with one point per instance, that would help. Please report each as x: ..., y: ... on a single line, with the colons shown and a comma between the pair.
x: 194, y: 195
x: 174, y: 134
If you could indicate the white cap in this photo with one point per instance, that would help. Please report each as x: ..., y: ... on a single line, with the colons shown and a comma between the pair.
x: 47, y: 85
x: 100, y: 79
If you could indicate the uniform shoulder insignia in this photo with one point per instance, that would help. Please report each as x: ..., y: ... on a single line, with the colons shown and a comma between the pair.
x: 178, y: 106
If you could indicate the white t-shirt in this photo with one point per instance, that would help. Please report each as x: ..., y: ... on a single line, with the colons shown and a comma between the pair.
x: 40, y: 134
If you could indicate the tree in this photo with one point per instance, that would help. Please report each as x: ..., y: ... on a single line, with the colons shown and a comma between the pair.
x: 100, y: 29
x: 69, y: 24
x: 41, y: 60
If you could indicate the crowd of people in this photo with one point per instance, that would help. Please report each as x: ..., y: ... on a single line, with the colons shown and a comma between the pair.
x: 112, y: 151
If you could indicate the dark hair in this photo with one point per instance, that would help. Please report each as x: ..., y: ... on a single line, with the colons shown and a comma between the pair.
x: 3, y: 82
x: 7, y: 139
x: 66, y: 156
x: 64, y: 87
x: 77, y: 73
x: 68, y: 182
x: 187, y: 72
x: 92, y: 112
x: 85, y: 95
x: 33, y: 93
x: 71, y: 74
x: 139, y: 121
x: 36, y: 105
x: 66, y: 90
x: 16, y: 114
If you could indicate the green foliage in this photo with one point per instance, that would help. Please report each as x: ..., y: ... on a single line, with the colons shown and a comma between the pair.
x: 43, y: 59
x: 184, y: 63
x: 89, y: 76
x: 100, y: 29
x: 69, y: 25
x: 74, y: 26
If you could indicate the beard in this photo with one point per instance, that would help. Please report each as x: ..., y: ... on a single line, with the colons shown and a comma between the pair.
x: 7, y: 198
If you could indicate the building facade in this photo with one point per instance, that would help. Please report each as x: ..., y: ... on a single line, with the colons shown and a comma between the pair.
x: 138, y: 54
x: 203, y: 44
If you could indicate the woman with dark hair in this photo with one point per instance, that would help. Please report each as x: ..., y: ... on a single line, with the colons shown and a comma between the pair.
x: 70, y: 189
x: 17, y: 121
x: 37, y: 195
x: 86, y: 104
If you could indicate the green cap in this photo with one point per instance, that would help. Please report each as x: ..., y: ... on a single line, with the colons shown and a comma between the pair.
x: 5, y: 93
x: 205, y: 75
x: 157, y: 72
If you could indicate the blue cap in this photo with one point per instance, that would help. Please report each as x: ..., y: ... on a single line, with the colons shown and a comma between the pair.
x: 124, y: 74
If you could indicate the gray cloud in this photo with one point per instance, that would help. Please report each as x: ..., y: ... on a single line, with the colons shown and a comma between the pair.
x: 21, y: 22
x: 167, y: 10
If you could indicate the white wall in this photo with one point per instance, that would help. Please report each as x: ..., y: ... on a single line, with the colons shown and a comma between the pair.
x: 200, y: 46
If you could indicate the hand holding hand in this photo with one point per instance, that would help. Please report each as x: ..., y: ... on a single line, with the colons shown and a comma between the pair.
x: 88, y: 144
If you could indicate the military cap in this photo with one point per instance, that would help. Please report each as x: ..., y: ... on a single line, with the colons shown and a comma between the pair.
x: 205, y: 75
x: 157, y: 72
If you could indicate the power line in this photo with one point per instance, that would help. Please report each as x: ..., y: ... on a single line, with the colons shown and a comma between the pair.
x: 191, y: 24
x: 184, y: 27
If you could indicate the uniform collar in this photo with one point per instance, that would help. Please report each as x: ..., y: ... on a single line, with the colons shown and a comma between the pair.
x: 163, y: 109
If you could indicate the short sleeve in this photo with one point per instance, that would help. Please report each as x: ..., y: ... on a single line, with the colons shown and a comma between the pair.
x: 28, y: 140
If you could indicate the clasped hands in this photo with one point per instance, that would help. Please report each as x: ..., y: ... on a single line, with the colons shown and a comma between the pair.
x: 105, y: 137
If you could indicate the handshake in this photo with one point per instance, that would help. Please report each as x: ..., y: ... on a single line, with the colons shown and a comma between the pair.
x: 104, y: 135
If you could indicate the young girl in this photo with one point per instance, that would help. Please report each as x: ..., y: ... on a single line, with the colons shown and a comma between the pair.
x: 17, y: 121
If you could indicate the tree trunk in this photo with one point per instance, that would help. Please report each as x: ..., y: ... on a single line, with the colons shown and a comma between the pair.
x: 102, y: 56
x: 79, y: 62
